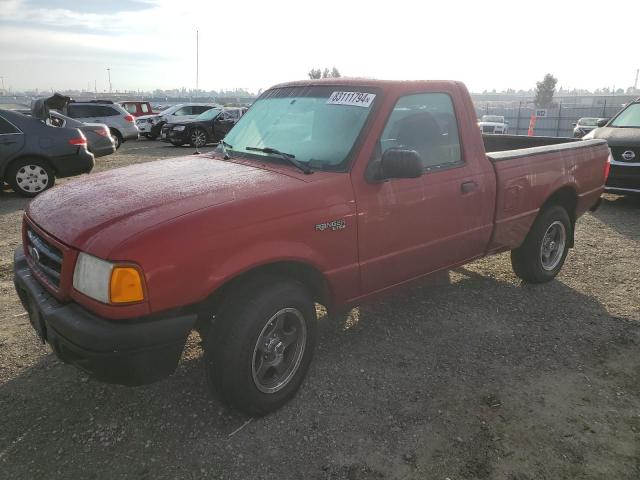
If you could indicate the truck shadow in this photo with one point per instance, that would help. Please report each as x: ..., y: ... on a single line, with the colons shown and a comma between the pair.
x: 382, y: 372
x: 616, y: 211
x: 11, y: 201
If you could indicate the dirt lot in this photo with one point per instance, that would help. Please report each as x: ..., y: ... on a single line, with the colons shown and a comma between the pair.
x: 478, y: 377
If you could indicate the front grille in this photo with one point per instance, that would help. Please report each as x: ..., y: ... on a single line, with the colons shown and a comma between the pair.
x: 46, y: 258
x: 619, y: 154
x: 487, y: 129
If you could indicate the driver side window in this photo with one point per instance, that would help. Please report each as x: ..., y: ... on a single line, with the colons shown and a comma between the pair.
x: 426, y: 123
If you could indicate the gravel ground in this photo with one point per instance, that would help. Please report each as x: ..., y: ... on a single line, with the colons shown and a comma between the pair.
x: 476, y: 377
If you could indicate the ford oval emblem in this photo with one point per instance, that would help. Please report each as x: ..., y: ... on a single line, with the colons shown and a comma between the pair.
x: 629, y: 155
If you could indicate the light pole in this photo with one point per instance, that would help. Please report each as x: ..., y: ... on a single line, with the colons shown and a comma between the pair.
x: 2, y: 79
x: 109, y: 75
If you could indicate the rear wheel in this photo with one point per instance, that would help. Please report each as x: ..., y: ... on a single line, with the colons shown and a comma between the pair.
x: 30, y: 176
x: 545, y: 249
x: 259, y: 350
x: 117, y: 138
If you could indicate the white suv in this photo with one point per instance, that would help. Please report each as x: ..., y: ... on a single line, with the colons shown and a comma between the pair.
x: 150, y: 125
x: 121, y: 124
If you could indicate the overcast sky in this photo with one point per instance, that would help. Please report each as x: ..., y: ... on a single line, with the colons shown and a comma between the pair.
x: 148, y: 44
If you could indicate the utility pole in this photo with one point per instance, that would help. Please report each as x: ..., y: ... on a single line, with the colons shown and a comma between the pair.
x: 3, y: 91
x: 197, y: 59
x: 109, y: 75
x: 635, y: 85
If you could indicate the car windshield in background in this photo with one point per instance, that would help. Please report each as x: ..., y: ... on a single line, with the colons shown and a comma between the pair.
x: 318, y: 125
x: 588, y: 122
x: 209, y: 114
x: 492, y: 118
x: 629, y: 117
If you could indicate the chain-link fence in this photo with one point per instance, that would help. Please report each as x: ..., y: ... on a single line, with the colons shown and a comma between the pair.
x: 558, y: 121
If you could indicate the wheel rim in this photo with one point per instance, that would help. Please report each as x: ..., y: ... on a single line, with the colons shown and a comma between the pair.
x: 116, y: 141
x: 552, y: 247
x: 279, y: 350
x: 32, y: 178
x: 199, y: 138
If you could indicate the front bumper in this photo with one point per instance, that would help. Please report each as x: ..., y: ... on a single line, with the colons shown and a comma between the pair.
x: 126, y: 352
x: 623, y: 179
x: 181, y: 136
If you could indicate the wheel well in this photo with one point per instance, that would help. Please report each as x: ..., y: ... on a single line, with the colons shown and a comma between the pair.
x: 567, y: 198
x: 309, y: 276
x: 115, y: 131
x: 35, y: 156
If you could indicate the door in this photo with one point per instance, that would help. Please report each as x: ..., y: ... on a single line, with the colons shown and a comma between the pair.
x: 11, y: 140
x: 410, y: 227
x: 225, y: 122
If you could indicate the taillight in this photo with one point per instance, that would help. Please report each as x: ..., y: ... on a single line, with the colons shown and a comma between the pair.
x: 607, y: 166
x: 129, y: 118
x: 103, y: 132
x: 78, y: 141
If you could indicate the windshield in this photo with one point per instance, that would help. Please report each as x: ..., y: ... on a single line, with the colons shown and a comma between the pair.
x: 588, y: 122
x: 209, y: 114
x: 492, y: 118
x: 629, y: 117
x: 318, y: 125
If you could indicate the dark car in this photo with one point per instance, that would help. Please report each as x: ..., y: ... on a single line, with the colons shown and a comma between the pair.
x: 33, y: 154
x: 622, y: 133
x: 208, y: 127
x: 99, y: 139
x: 584, y: 125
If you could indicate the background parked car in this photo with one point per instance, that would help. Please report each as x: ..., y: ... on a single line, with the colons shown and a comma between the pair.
x: 208, y: 127
x: 151, y: 125
x: 120, y: 122
x: 493, y: 124
x: 622, y: 133
x: 585, y: 125
x: 99, y: 139
x: 33, y: 154
x: 137, y: 109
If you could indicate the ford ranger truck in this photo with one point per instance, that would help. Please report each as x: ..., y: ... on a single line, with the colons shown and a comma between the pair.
x: 325, y: 192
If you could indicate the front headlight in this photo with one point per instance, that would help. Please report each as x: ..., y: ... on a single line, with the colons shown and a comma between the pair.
x: 107, y: 282
x: 178, y: 128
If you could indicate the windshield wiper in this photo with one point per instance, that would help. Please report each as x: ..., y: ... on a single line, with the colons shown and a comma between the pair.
x: 286, y: 156
x: 222, y: 144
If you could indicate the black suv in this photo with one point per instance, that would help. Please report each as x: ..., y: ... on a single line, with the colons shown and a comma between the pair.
x: 622, y: 133
x: 208, y: 127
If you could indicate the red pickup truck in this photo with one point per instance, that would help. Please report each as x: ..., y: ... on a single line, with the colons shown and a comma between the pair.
x: 327, y: 192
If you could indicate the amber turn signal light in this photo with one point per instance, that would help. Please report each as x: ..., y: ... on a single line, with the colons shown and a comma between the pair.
x: 125, y: 285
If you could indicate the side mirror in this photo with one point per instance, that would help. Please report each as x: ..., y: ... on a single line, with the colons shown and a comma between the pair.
x: 602, y: 122
x: 401, y: 163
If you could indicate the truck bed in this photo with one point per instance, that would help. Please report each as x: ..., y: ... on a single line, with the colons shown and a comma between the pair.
x: 529, y: 169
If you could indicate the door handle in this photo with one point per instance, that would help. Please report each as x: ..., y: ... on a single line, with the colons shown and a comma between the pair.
x: 468, y: 187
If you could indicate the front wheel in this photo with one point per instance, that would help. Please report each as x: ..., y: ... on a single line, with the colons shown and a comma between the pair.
x: 542, y: 255
x: 117, y: 138
x: 260, y: 347
x: 199, y: 138
x: 30, y: 176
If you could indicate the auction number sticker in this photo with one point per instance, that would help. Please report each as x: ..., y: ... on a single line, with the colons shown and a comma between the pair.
x: 354, y: 99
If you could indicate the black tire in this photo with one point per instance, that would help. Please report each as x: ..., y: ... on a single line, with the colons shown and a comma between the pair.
x: 117, y: 138
x: 41, y: 173
x: 238, y: 345
x: 198, y: 138
x: 528, y: 261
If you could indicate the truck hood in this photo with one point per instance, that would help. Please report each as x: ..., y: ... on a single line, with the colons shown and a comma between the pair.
x: 104, y: 209
x: 619, y: 137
